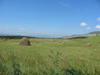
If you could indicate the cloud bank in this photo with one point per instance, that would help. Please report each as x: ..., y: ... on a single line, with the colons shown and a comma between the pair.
x: 83, y: 24
x: 97, y: 26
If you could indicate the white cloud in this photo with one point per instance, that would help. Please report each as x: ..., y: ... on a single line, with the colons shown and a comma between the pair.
x: 22, y: 29
x: 88, y: 28
x: 97, y: 26
x: 83, y: 24
x: 63, y: 4
x: 98, y: 19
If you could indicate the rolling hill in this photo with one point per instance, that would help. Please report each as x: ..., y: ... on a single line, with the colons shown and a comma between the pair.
x: 95, y: 32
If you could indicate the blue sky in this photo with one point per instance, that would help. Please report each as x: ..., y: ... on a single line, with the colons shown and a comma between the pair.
x: 49, y: 17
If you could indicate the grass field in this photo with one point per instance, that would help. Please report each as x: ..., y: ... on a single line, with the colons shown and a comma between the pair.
x: 70, y: 57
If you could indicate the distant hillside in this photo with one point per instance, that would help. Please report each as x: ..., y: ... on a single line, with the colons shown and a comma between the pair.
x: 95, y: 32
x: 14, y: 37
x: 83, y: 35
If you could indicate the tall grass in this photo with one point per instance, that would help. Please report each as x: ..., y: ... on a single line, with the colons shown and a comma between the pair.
x: 56, y: 65
x: 70, y: 57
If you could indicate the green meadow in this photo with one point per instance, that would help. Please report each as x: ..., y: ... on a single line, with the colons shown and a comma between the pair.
x: 45, y: 57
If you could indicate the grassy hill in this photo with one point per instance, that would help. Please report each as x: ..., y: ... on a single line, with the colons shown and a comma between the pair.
x: 70, y: 57
x: 95, y: 32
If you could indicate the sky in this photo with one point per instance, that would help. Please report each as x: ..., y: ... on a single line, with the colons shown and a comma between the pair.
x: 54, y: 18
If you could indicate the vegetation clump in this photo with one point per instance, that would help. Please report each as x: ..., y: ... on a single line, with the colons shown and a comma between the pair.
x: 88, y: 44
x: 24, y: 41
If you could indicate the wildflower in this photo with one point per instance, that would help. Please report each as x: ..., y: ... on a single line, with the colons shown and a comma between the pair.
x: 49, y: 56
x: 51, y: 51
x: 57, y: 53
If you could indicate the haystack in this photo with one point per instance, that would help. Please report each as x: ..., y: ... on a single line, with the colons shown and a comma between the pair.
x: 35, y: 41
x: 53, y: 40
x: 88, y: 44
x: 5, y: 39
x: 24, y: 41
x: 8, y: 39
x: 59, y: 41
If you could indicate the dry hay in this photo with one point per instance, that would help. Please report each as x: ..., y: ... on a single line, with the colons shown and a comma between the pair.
x: 88, y: 44
x: 24, y: 41
x: 8, y: 39
x: 53, y: 40
x: 35, y: 41
x: 59, y: 41
x: 5, y: 39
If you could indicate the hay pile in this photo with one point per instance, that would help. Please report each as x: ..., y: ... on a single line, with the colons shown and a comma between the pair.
x: 5, y: 39
x: 88, y: 44
x: 8, y: 39
x: 24, y: 41
x: 59, y: 41
x: 35, y: 41
x: 53, y: 40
